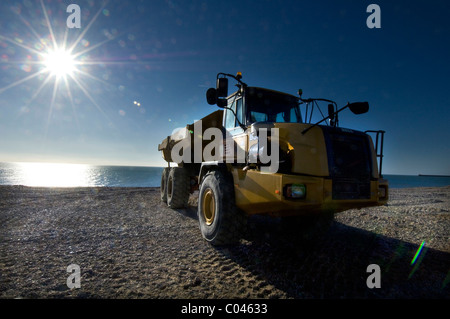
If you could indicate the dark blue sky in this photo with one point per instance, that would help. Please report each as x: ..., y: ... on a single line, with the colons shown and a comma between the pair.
x: 165, y: 54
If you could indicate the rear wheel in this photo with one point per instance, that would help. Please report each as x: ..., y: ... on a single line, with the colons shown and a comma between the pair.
x: 178, y: 184
x: 163, y: 188
x: 221, y: 222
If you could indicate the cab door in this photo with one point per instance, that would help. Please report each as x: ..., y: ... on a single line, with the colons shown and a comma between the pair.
x: 235, y: 139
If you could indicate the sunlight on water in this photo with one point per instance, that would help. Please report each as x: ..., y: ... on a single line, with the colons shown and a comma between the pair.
x: 53, y: 175
x: 78, y: 175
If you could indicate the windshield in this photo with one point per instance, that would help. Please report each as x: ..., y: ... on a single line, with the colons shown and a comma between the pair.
x: 269, y: 106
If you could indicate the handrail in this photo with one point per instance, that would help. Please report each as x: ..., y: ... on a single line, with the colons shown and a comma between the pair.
x: 379, y: 151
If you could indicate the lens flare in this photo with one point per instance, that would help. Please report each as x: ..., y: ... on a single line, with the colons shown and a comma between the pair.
x: 420, y: 254
x: 413, y: 261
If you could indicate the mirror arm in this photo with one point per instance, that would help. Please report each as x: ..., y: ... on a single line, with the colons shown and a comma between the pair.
x: 232, y: 76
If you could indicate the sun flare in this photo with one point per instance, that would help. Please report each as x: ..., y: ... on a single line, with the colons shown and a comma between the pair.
x: 60, y: 63
x: 64, y: 66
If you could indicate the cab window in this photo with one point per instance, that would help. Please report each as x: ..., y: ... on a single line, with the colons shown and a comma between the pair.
x: 239, y: 113
x: 232, y: 121
x: 267, y: 106
x: 229, y: 116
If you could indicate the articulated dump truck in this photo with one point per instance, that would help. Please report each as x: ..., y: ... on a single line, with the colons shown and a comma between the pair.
x: 260, y: 153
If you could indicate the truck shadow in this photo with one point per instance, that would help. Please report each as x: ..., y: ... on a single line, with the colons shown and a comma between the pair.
x: 334, y: 264
x: 190, y: 212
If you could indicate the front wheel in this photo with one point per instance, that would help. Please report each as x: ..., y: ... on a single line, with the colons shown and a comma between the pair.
x: 221, y: 222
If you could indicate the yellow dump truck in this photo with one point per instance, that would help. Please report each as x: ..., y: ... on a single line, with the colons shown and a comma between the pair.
x: 260, y: 153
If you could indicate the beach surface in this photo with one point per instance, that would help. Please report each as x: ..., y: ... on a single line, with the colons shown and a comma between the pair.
x: 128, y: 244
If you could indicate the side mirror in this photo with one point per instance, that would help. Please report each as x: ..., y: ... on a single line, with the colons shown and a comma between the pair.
x: 359, y: 107
x: 222, y: 87
x: 331, y: 112
x: 211, y: 96
x: 222, y: 103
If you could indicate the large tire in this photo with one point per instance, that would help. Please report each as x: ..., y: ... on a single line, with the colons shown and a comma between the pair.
x: 163, y: 187
x: 178, y: 183
x: 221, y: 222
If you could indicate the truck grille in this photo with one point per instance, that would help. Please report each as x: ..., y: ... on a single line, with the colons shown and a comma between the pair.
x: 350, y: 189
x: 350, y: 163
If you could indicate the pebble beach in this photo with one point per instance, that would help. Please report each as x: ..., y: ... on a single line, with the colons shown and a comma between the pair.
x: 128, y: 244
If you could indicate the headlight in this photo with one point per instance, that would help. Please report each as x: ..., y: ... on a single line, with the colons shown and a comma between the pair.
x: 382, y: 192
x: 295, y: 191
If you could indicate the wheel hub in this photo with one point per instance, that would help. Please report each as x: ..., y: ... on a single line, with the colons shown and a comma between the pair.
x: 209, y: 206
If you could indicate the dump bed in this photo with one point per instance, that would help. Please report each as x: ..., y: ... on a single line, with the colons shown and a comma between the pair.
x: 212, y: 120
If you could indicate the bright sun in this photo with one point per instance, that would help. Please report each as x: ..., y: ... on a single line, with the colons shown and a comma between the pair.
x: 60, y: 63
x: 65, y: 63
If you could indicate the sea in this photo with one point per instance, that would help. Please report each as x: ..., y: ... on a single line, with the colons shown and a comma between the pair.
x: 81, y: 175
